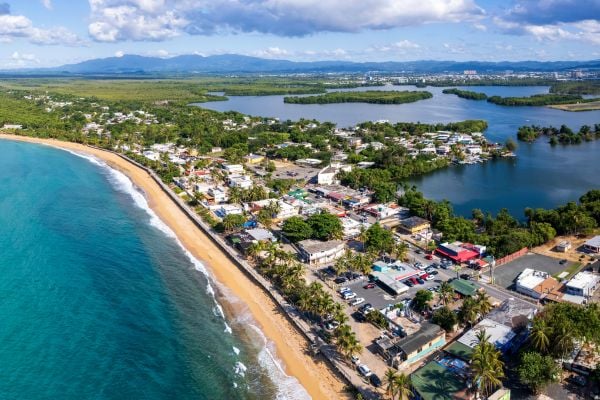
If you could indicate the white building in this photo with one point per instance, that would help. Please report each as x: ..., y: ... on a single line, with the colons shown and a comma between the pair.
x: 535, y: 284
x: 326, y: 176
x: 315, y: 252
x: 218, y: 195
x: 151, y: 155
x: 583, y: 284
x: 229, y: 209
x: 240, y: 181
x: 234, y: 168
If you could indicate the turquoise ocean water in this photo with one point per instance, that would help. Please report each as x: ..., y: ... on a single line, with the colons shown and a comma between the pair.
x: 99, y: 301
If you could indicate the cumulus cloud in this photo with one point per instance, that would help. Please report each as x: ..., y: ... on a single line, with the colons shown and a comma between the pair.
x: 115, y: 20
x: 553, y: 20
x: 19, y: 26
x: 47, y: 4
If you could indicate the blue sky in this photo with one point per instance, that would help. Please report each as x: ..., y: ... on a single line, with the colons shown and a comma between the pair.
x: 36, y: 33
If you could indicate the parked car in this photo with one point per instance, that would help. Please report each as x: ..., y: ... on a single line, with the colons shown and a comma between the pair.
x: 434, y: 272
x: 375, y: 381
x: 429, y: 257
x: 421, y: 281
x: 348, y: 295
x: 408, y: 283
x: 355, y: 360
x: 370, y: 285
x: 429, y: 269
x: 434, y: 265
x: 415, y: 281
x: 331, y: 325
x: 340, y: 279
x: 357, y: 301
x: 344, y: 289
x: 563, y: 261
x: 419, y: 251
x: 364, y: 370
x: 465, y: 276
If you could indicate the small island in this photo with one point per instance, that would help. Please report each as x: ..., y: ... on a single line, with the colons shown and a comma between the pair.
x: 466, y: 94
x: 370, y: 96
x: 563, y: 135
x: 536, y: 100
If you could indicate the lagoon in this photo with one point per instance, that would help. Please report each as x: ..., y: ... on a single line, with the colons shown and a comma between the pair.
x: 540, y: 176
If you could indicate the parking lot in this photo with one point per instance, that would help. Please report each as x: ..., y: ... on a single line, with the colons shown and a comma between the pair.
x: 506, y: 274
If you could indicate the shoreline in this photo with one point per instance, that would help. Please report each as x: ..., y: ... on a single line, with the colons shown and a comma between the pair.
x: 314, y: 375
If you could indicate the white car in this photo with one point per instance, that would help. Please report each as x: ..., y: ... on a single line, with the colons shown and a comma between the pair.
x: 364, y: 370
x: 357, y: 301
x: 344, y: 290
x: 348, y: 295
x: 355, y: 360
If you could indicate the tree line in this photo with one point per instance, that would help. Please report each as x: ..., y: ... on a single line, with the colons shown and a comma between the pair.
x: 466, y: 94
x: 563, y: 135
x: 369, y: 96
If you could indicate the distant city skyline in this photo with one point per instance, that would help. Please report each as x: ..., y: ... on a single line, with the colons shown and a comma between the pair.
x: 40, y: 33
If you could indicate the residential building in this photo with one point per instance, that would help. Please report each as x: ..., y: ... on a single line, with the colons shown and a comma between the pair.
x: 415, y: 347
x: 464, y: 287
x: 500, y: 335
x: 536, y: 284
x: 240, y: 181
x: 261, y: 235
x: 414, y: 225
x: 593, y: 245
x: 443, y: 379
x: 218, y: 195
x: 327, y: 176
x: 233, y: 168
x: 315, y: 252
x: 254, y: 159
x: 583, y: 284
x: 228, y: 209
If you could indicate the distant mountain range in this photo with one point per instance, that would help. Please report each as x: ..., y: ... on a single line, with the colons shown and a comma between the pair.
x: 238, y: 64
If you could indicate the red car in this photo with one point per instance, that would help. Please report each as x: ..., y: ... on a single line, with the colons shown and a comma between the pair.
x: 369, y: 286
x: 429, y: 257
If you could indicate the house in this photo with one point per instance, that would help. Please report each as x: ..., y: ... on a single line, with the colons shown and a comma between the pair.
x: 563, y: 246
x: 326, y: 176
x: 415, y: 347
x: 500, y: 335
x: 536, y: 284
x: 414, y: 225
x: 315, y: 252
x: 583, y: 284
x: 233, y: 168
x: 228, y: 209
x: 254, y: 159
x: 261, y: 235
x: 218, y: 195
x: 240, y: 181
x: 593, y: 245
x: 12, y: 126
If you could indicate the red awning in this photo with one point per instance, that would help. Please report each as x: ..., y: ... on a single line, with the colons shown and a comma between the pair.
x: 464, y: 256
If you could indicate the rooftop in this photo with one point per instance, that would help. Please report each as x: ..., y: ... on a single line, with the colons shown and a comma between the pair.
x: 531, y: 278
x: 464, y: 287
x: 413, y: 222
x: 512, y: 313
x: 316, y: 246
x: 500, y: 335
x: 594, y: 242
x: 583, y: 280
x: 426, y: 334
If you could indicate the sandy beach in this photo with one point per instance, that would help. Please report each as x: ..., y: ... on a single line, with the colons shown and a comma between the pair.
x: 314, y: 374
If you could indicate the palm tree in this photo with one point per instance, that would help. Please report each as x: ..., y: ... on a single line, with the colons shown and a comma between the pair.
x: 362, y: 262
x: 486, y: 365
x: 446, y: 293
x: 346, y: 341
x: 403, y: 387
x: 484, y: 305
x: 539, y: 335
x: 400, y: 251
x: 235, y: 195
x: 468, y: 311
x: 254, y: 250
x: 390, y: 378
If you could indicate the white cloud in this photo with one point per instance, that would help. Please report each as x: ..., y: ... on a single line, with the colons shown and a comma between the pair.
x: 271, y: 52
x: 19, y: 26
x: 119, y: 54
x: 116, y: 20
x: 20, y: 60
x: 47, y: 4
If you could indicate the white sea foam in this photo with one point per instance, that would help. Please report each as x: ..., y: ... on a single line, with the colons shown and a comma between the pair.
x: 236, y: 351
x: 288, y: 387
x: 240, y: 369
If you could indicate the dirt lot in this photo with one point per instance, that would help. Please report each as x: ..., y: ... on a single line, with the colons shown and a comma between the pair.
x: 573, y: 254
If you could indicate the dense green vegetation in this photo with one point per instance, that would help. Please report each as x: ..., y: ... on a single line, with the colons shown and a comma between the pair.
x: 466, y: 94
x: 562, y: 135
x: 576, y: 87
x: 504, y: 234
x: 485, y: 82
x: 417, y: 128
x: 536, y: 100
x: 323, y: 226
x: 370, y: 96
